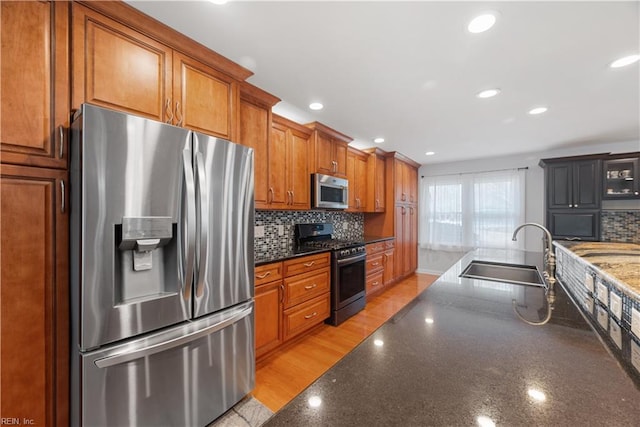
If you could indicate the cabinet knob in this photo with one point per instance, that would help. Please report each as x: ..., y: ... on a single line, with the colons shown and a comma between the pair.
x: 636, y: 193
x: 570, y: 205
x: 575, y: 206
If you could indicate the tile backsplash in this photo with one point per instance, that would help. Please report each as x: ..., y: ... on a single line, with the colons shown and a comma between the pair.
x: 278, y: 226
x: 620, y: 226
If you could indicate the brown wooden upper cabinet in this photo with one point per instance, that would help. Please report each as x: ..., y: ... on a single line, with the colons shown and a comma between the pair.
x: 357, y: 162
x: 255, y: 132
x: 376, y: 180
x: 35, y: 88
x: 406, y: 182
x: 330, y: 150
x: 288, y: 174
x: 118, y: 67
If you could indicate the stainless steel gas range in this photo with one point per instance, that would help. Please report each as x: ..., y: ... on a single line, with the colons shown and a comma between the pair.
x: 348, y: 258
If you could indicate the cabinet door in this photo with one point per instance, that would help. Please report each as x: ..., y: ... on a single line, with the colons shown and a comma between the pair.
x: 621, y: 179
x: 277, y: 192
x: 389, y: 264
x: 559, y: 185
x: 361, y: 182
x: 400, y: 212
x: 379, y: 185
x: 35, y: 100
x: 399, y: 175
x: 340, y: 157
x: 34, y: 295
x: 574, y: 224
x: 298, y: 170
x: 587, y: 192
x: 255, y: 132
x: 203, y: 98
x: 119, y: 68
x: 268, y: 315
x: 412, y: 236
x: 324, y: 154
x: 411, y: 183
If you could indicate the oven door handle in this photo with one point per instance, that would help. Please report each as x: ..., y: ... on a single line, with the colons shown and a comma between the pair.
x: 351, y: 260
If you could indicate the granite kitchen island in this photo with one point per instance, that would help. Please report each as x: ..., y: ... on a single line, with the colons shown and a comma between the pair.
x: 458, y: 354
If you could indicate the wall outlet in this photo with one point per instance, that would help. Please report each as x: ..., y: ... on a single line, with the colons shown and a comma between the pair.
x: 615, y: 333
x: 635, y: 322
x: 603, y: 318
x: 280, y: 230
x: 259, y: 231
x: 603, y: 293
x: 615, y: 305
x: 588, y: 282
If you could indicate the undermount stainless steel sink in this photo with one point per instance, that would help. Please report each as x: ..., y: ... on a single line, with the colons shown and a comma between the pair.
x: 501, y: 272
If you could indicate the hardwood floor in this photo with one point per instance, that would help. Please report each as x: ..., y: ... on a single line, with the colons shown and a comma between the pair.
x: 288, y: 371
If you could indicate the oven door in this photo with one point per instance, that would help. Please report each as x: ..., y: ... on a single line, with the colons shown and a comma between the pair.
x: 348, y: 281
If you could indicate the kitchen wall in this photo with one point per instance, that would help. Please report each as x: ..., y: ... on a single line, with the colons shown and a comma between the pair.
x: 277, y: 227
x: 439, y: 261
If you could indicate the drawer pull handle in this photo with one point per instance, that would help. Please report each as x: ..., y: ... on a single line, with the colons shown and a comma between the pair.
x: 61, y: 152
x: 262, y: 276
x: 376, y: 283
x: 309, y: 316
x: 310, y: 286
x: 376, y: 263
x: 309, y: 264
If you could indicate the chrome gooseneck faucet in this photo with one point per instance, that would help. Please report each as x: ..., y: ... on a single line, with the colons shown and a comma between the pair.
x: 549, y: 273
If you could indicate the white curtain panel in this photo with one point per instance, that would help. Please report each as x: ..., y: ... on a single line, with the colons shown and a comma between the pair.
x: 477, y: 210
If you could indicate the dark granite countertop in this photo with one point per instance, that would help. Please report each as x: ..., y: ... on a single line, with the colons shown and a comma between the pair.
x: 281, y: 254
x: 458, y: 352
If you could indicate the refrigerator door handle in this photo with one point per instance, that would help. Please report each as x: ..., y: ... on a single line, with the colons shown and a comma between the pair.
x: 189, y: 225
x: 203, y: 222
x: 125, y: 357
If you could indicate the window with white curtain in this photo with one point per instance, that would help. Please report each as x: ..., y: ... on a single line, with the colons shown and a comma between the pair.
x: 475, y: 210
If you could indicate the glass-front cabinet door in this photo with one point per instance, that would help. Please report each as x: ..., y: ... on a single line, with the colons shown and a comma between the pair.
x: 621, y: 178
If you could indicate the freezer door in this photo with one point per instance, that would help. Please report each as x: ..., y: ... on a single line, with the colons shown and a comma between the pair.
x: 224, y: 247
x: 132, y: 226
x: 186, y: 376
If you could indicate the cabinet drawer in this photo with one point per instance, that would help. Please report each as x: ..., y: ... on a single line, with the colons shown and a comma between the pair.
x: 374, y: 282
x: 268, y: 273
x: 374, y: 263
x: 306, y: 315
x: 307, y: 263
x: 302, y: 287
x: 374, y: 248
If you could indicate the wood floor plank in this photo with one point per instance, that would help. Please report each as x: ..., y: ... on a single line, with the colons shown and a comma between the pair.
x: 288, y: 371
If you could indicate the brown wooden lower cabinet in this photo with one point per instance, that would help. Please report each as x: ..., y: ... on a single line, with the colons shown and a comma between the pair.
x: 268, y: 306
x: 291, y: 297
x: 379, y: 266
x: 306, y: 315
x: 34, y: 310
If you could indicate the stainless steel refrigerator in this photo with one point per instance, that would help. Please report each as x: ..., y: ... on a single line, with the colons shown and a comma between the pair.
x: 161, y: 272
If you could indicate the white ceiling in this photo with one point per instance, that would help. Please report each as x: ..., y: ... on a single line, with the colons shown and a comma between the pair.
x: 409, y: 71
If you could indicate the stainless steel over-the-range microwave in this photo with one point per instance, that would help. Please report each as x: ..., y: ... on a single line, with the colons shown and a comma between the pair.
x: 329, y: 192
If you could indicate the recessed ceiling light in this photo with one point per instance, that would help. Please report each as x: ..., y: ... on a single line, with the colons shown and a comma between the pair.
x: 537, y: 110
x: 485, y: 422
x: 429, y: 153
x: 378, y: 343
x: 482, y: 23
x: 489, y: 93
x: 623, y: 62
x: 219, y: 1
x: 316, y: 106
x: 378, y: 140
x: 429, y: 320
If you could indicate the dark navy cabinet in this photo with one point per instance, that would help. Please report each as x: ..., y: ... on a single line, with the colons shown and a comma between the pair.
x: 573, y: 192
